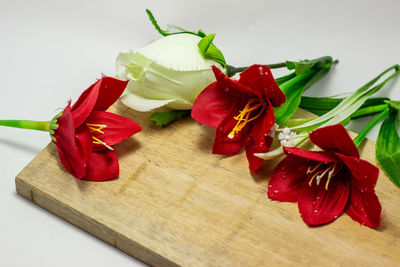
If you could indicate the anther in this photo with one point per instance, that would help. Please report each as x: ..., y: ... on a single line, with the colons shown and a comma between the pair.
x: 244, y: 116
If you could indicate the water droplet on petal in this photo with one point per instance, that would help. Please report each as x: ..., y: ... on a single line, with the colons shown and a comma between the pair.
x: 315, y: 211
x: 335, y: 216
x: 270, y: 186
x: 276, y: 191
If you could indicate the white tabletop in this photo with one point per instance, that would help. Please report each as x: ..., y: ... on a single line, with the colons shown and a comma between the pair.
x: 51, y: 50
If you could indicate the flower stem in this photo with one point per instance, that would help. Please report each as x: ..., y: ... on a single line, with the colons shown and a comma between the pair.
x: 25, y: 124
x: 231, y: 70
x: 360, y: 137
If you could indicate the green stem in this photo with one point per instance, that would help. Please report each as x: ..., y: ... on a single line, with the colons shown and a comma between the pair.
x: 367, y: 111
x: 25, y: 124
x: 231, y: 70
x: 360, y: 137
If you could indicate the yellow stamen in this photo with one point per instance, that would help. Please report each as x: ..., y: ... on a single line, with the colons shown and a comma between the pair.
x: 319, y: 177
x: 314, y: 169
x: 312, y: 178
x: 96, y: 127
x: 98, y: 141
x: 332, y: 173
x: 244, y: 116
x: 332, y: 170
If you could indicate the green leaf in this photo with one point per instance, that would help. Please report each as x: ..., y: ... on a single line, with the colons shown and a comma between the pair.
x: 164, y: 118
x: 321, y: 105
x: 387, y: 150
x: 210, y: 51
x: 351, y: 103
x: 285, y: 78
x: 301, y: 67
x: 294, y: 89
x: 394, y: 104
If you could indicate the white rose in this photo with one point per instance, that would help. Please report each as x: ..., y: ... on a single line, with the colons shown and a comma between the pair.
x: 168, y: 72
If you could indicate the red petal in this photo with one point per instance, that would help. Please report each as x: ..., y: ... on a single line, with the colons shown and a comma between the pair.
x: 260, y: 142
x: 99, y: 96
x: 364, y: 207
x: 256, y: 162
x: 109, y: 92
x: 73, y: 146
x: 319, y: 206
x: 260, y: 127
x: 85, y: 104
x: 260, y: 78
x: 320, y: 156
x: 224, y: 145
x: 233, y: 87
x: 364, y: 174
x: 118, y: 127
x: 336, y: 138
x: 102, y: 166
x: 211, y: 106
x: 287, y: 179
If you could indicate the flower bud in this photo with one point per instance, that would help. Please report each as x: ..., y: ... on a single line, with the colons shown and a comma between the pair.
x: 168, y: 72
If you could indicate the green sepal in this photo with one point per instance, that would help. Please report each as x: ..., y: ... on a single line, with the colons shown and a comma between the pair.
x: 155, y: 24
x: 200, y: 33
x: 166, y: 117
x: 54, y: 126
x: 301, y: 67
x: 387, y: 150
x: 210, y: 51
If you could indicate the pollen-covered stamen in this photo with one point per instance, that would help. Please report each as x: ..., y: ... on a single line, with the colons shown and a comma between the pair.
x: 332, y: 173
x: 331, y: 170
x: 98, y: 129
x: 309, y: 170
x: 244, y: 116
x: 99, y: 142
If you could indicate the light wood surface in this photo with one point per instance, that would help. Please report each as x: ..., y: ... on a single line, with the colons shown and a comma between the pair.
x: 175, y: 203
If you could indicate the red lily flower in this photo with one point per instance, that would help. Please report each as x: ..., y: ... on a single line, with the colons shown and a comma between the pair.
x: 86, y: 133
x: 241, y: 111
x: 326, y: 183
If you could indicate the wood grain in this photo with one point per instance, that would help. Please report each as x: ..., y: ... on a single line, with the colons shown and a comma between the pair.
x: 175, y: 203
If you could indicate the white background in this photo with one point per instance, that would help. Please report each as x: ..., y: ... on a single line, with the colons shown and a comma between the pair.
x: 51, y: 50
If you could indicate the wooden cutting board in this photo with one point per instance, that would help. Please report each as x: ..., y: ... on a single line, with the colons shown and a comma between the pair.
x: 175, y: 203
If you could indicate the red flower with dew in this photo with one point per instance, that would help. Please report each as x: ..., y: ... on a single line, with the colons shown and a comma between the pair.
x: 241, y: 111
x: 326, y: 183
x: 86, y: 132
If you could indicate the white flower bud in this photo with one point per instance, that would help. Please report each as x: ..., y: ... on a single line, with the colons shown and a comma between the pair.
x: 168, y: 72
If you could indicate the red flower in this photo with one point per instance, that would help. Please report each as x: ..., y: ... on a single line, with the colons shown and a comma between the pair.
x: 86, y: 132
x: 241, y: 111
x: 326, y: 183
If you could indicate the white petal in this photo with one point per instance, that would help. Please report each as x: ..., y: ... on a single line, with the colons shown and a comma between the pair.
x: 177, y: 52
x: 140, y: 103
x: 271, y: 154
